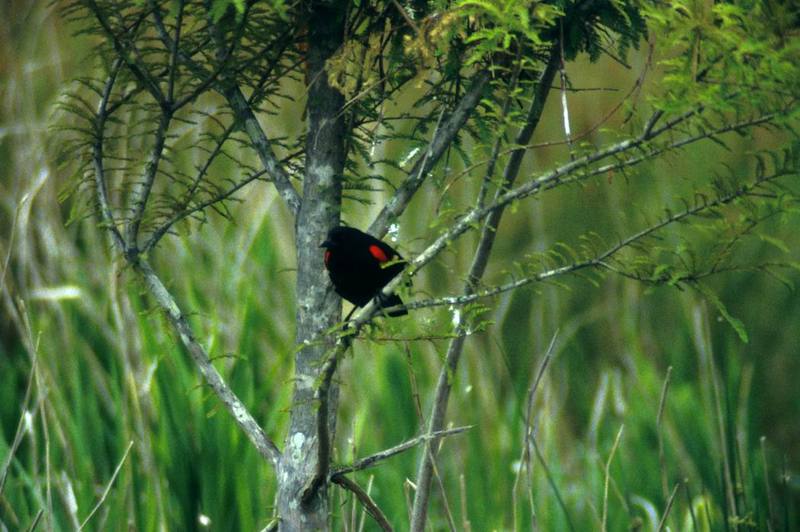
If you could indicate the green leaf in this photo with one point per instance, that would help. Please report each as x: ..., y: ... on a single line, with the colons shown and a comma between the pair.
x: 734, y: 322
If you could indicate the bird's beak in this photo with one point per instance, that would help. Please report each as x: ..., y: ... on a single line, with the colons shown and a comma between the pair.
x: 326, y: 244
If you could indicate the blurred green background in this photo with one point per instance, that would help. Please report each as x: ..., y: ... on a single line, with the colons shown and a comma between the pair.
x: 109, y: 372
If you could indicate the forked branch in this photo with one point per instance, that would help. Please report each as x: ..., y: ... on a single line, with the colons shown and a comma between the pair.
x: 162, y: 296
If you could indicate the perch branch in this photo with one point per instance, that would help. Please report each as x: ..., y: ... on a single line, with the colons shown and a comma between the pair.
x: 600, y: 260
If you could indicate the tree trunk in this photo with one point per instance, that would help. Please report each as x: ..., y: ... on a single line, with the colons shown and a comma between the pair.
x: 318, y: 307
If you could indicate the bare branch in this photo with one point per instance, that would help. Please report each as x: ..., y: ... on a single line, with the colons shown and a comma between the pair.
x: 141, y: 192
x: 232, y: 403
x: 442, y: 138
x: 363, y: 497
x: 374, y: 459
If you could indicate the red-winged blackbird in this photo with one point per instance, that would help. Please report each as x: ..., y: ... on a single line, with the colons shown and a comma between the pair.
x: 360, y: 265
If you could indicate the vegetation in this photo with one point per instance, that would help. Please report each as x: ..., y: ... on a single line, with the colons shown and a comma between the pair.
x: 598, y: 199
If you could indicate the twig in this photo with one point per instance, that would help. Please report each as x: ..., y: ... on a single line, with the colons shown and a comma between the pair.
x: 142, y: 75
x: 444, y: 136
x: 108, y: 486
x: 374, y: 459
x: 262, y: 146
x: 101, y: 187
x: 141, y: 192
x: 366, y: 501
x: 186, y: 212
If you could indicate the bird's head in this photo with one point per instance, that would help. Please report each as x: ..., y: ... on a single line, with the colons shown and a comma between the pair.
x: 337, y: 237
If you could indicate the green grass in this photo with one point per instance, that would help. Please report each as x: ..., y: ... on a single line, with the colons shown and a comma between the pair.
x: 109, y: 371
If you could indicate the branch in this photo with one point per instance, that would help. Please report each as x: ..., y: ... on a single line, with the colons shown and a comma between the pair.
x: 101, y: 187
x: 243, y: 418
x: 364, y: 498
x: 477, y: 269
x: 141, y: 192
x: 557, y: 177
x: 600, y: 260
x: 442, y: 138
x: 374, y: 459
x: 323, y: 432
x: 243, y: 114
x: 142, y: 75
x: 168, y: 304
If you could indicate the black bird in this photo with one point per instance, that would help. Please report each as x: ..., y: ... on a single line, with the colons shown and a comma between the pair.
x: 360, y: 266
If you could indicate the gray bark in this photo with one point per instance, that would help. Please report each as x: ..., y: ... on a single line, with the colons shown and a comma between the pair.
x: 318, y: 308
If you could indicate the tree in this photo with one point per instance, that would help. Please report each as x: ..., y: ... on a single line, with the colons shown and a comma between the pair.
x: 468, y: 82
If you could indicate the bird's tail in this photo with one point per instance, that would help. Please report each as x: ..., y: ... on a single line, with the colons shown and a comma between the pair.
x: 392, y: 301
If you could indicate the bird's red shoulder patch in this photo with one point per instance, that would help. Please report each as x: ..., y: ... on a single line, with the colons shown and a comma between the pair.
x: 378, y: 253
x: 327, y: 256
